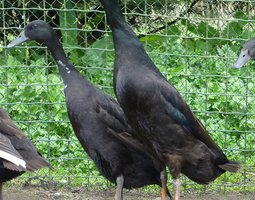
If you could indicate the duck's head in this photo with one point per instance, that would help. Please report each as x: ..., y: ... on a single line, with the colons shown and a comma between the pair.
x: 36, y: 30
x: 247, y: 53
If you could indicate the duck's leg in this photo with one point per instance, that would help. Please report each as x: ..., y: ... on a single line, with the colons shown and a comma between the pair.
x: 177, y: 188
x: 1, y: 194
x: 119, y: 190
x: 174, y: 164
x: 163, y: 178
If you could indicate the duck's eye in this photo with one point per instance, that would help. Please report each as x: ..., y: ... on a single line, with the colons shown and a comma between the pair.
x: 246, y: 52
x: 34, y: 26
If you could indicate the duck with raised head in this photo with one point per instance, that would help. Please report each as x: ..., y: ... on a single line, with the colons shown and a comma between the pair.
x: 247, y: 53
x: 155, y: 109
x: 97, y: 120
x: 17, y: 152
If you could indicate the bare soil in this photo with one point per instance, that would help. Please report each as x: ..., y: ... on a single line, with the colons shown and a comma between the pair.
x: 33, y: 193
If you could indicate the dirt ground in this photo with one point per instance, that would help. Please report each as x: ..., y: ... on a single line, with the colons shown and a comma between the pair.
x: 31, y: 193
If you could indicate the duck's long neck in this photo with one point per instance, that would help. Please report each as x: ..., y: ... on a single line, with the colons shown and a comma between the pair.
x: 66, y: 69
x: 122, y: 33
x: 113, y: 12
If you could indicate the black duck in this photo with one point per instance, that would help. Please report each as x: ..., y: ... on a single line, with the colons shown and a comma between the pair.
x: 155, y: 109
x: 97, y: 120
x: 17, y: 153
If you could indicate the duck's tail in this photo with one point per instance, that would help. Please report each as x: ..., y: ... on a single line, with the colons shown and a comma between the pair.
x: 230, y: 166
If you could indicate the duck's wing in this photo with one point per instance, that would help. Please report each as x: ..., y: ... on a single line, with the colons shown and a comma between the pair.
x: 110, y: 113
x: 181, y: 113
x: 11, y: 157
x: 117, y: 125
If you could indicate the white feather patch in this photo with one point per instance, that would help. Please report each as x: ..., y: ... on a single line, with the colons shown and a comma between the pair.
x: 61, y: 63
x: 13, y: 159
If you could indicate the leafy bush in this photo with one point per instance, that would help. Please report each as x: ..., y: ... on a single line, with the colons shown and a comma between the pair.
x: 195, y: 56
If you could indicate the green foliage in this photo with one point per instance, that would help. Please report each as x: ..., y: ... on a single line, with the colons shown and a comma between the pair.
x: 68, y: 21
x: 195, y: 56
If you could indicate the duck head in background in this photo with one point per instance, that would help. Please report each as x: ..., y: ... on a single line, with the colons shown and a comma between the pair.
x: 247, y: 53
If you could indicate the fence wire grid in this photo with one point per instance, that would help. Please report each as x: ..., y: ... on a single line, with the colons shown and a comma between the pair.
x: 194, y: 43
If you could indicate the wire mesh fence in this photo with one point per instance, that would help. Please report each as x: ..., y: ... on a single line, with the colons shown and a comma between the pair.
x: 194, y: 44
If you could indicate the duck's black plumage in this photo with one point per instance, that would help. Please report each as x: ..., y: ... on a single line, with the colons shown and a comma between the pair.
x: 158, y: 113
x: 97, y: 119
x: 17, y: 153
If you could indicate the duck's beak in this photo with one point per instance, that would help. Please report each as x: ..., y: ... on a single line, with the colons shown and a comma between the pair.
x: 242, y: 60
x: 18, y: 40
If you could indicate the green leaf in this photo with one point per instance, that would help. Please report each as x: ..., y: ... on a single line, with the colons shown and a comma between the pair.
x: 205, y: 30
x: 68, y: 21
x: 97, y: 50
x: 190, y: 26
x: 234, y: 29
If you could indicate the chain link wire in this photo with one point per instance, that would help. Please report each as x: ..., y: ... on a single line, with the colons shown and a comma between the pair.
x: 194, y: 44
